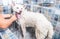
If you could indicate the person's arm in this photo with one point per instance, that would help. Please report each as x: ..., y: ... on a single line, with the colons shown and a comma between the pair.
x: 4, y: 23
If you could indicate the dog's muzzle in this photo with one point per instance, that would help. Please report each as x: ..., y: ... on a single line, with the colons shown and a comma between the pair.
x: 18, y: 14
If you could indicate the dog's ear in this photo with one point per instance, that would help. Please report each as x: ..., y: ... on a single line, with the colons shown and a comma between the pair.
x: 24, y: 6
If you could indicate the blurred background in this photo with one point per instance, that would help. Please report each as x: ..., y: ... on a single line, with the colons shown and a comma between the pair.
x: 50, y: 8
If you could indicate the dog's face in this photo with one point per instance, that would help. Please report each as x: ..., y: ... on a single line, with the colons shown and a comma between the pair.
x: 17, y: 8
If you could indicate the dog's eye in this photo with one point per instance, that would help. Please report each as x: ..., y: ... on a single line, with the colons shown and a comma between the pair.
x: 17, y: 7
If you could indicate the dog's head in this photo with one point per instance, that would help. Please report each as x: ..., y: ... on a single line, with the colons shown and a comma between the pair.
x: 18, y: 8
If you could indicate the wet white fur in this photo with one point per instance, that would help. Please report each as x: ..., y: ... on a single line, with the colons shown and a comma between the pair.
x: 37, y: 20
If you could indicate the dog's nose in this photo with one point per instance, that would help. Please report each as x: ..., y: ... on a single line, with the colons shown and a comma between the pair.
x: 19, y: 12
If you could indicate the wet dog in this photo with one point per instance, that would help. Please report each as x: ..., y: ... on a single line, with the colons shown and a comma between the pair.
x: 43, y: 27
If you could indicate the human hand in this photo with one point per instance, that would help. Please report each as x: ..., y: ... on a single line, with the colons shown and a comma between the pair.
x: 6, y: 15
x: 13, y: 17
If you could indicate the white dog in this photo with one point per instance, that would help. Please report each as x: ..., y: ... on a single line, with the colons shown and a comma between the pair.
x: 42, y: 26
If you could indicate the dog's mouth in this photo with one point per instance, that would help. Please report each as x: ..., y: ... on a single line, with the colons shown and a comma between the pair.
x: 18, y: 14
